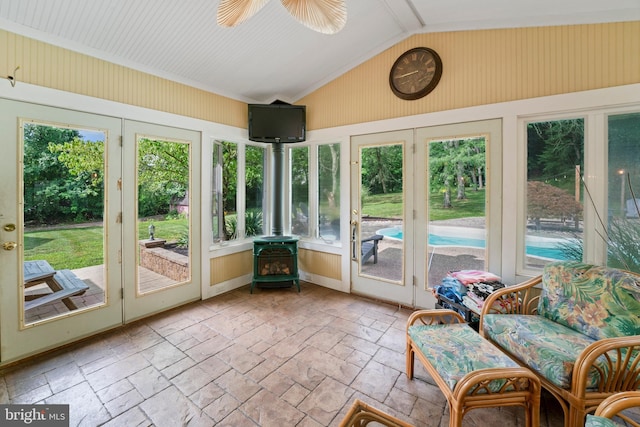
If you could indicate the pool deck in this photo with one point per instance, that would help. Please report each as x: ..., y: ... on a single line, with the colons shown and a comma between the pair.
x: 444, y: 259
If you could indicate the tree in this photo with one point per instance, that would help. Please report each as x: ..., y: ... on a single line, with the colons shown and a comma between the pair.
x: 84, y: 161
x: 382, y: 168
x: 451, y: 162
x: 546, y: 201
x: 329, y: 169
x: 554, y: 149
x: 163, y: 175
x: 57, y: 188
x: 254, y: 176
x: 163, y: 166
x: 229, y: 175
x: 300, y: 174
x: 477, y: 161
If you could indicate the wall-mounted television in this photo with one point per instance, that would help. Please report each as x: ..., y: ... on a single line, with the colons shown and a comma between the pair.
x: 279, y: 123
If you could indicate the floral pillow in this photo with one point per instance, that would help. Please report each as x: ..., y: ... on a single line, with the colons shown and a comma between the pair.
x: 600, y: 302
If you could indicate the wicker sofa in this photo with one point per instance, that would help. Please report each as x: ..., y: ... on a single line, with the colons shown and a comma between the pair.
x: 577, y: 327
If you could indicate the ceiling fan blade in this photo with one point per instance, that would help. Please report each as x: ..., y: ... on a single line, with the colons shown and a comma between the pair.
x: 234, y: 12
x: 325, y: 16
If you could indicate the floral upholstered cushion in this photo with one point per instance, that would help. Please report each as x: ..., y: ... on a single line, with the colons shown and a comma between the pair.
x: 455, y: 350
x: 597, y: 301
x: 593, y: 421
x: 546, y: 347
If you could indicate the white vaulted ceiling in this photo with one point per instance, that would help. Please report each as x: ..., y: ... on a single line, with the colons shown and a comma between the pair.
x: 271, y: 56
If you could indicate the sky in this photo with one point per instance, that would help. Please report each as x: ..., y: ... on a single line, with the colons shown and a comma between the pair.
x: 92, y: 135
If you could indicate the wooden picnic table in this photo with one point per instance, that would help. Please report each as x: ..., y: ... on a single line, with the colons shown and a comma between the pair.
x: 37, y: 272
x: 63, y: 284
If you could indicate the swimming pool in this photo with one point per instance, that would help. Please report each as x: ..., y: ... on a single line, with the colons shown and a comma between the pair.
x: 544, y: 250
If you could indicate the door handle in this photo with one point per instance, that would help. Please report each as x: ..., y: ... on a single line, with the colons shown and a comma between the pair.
x: 354, y: 231
x: 9, y: 246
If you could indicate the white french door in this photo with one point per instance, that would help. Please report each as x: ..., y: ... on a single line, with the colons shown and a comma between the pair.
x: 419, y: 168
x: 60, y: 238
x: 380, y: 163
x: 162, y: 252
x: 77, y: 197
x: 460, y: 162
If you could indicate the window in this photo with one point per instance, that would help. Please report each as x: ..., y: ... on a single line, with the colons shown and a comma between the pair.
x: 237, y: 191
x: 217, y: 198
x: 623, y: 213
x: 329, y: 192
x: 300, y: 191
x: 254, y: 177
x: 554, y: 192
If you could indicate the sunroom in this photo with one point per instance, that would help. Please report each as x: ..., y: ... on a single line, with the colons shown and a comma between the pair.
x: 145, y: 186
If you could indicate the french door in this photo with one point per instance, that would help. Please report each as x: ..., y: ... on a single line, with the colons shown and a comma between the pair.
x: 458, y: 201
x: 423, y: 203
x: 60, y: 231
x: 380, y: 184
x: 162, y: 248
x: 98, y: 226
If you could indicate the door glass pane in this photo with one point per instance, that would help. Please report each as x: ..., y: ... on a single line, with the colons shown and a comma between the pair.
x: 329, y: 192
x: 163, y: 214
x: 300, y: 191
x: 63, y: 191
x: 624, y: 192
x: 381, y: 212
x: 254, y: 177
x: 555, y: 194
x: 456, y: 204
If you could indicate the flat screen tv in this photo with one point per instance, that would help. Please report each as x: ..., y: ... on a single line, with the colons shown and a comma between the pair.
x: 277, y: 123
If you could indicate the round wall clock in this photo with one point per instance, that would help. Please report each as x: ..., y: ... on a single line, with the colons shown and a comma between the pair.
x: 415, y: 73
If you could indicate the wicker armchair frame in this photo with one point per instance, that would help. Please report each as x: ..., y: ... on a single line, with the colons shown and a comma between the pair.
x: 614, y: 405
x: 360, y: 415
x: 521, y: 387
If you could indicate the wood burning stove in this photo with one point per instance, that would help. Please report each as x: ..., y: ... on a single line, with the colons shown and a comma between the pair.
x: 275, y: 262
x: 275, y: 257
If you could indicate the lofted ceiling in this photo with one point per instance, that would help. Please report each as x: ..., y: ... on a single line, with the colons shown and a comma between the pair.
x: 271, y: 56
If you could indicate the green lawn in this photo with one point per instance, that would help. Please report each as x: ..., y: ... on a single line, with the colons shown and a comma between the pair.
x: 77, y: 247
x: 473, y: 205
x: 390, y: 206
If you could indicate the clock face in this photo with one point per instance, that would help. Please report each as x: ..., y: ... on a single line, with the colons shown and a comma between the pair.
x: 415, y: 73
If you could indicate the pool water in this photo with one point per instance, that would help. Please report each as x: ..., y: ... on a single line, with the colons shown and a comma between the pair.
x: 537, y: 251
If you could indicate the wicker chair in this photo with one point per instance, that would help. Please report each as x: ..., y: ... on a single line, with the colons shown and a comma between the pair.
x: 613, y: 406
x: 360, y: 415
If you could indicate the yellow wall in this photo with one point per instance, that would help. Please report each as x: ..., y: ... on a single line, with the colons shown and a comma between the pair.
x: 231, y: 266
x: 320, y: 263
x: 45, y: 65
x: 240, y: 264
x: 485, y: 67
x: 480, y: 67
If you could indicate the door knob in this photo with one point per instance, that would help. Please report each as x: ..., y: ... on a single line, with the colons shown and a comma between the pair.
x: 9, y: 246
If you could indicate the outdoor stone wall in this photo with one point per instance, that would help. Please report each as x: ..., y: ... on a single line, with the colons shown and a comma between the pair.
x: 163, y: 261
